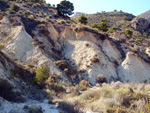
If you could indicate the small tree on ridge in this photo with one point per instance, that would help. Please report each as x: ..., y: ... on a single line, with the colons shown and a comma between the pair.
x: 65, y: 8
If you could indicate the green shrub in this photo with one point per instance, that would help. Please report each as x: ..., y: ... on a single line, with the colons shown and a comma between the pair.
x: 128, y: 33
x: 94, y: 25
x: 103, y: 20
x: 115, y: 10
x: 112, y: 29
x: 138, y: 40
x: 82, y: 19
x: 103, y: 26
x: 42, y: 73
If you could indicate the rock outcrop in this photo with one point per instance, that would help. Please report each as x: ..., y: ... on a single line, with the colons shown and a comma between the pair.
x: 145, y: 15
x: 88, y: 53
x: 134, y: 69
x: 139, y: 24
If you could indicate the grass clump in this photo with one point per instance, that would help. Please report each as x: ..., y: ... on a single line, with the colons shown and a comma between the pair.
x: 138, y: 40
x: 1, y: 46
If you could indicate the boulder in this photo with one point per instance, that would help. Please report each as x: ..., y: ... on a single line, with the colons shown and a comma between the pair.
x: 119, y: 36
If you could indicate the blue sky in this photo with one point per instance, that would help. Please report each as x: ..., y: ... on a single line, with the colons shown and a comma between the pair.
x: 135, y: 7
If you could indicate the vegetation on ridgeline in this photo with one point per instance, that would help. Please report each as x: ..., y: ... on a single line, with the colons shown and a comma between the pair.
x: 82, y: 19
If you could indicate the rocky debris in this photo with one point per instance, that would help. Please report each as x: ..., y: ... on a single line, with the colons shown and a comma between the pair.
x: 33, y: 109
x: 148, y: 51
x: 140, y: 24
x: 30, y: 106
x: 119, y: 36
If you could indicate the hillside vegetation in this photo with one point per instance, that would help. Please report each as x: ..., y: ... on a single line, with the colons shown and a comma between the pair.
x: 112, y: 17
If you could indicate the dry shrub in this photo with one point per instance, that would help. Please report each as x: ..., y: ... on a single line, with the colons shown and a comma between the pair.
x: 116, y: 85
x: 74, y: 93
x: 91, y: 95
x: 107, y: 92
x: 53, y: 84
x: 78, y: 28
x: 15, y: 7
x: 87, y: 44
x: 84, y: 85
x: 61, y: 64
x: 14, y: 23
x: 109, y: 102
x: 101, y: 79
x: 95, y: 59
x: 45, y: 32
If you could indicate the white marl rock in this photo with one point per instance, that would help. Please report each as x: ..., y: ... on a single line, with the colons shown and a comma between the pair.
x: 134, y: 69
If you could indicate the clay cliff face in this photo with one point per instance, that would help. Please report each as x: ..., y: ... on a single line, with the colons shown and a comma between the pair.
x: 89, y: 53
